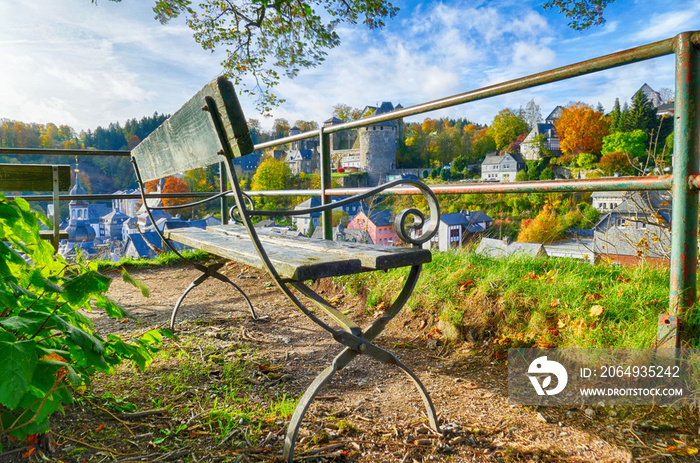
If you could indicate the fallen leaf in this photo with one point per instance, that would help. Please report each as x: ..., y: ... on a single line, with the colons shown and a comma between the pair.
x: 594, y: 297
x: 596, y: 311
x: 555, y: 303
x: 29, y: 452
x: 100, y: 428
x: 688, y: 451
x: 465, y: 285
x: 561, y: 324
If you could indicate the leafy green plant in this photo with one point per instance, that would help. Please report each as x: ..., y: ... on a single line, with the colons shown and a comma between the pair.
x: 47, y: 346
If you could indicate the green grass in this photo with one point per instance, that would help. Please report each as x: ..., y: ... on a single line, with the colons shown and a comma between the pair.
x: 527, y: 301
x: 166, y: 258
x: 196, y: 376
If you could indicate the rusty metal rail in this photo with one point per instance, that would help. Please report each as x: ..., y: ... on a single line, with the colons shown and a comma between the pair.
x: 684, y: 183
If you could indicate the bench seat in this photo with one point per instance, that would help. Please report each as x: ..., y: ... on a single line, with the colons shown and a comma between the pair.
x: 298, y: 258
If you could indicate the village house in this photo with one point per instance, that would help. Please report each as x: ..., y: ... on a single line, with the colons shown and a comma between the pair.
x: 457, y: 229
x: 542, y: 139
x: 638, y: 229
x: 501, y: 168
x: 379, y: 224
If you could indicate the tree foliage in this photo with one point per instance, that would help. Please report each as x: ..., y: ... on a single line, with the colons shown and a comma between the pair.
x: 272, y: 175
x: 47, y: 346
x: 632, y: 144
x: 544, y: 228
x: 582, y: 13
x: 261, y: 37
x: 616, y: 162
x: 581, y: 129
x: 506, y: 127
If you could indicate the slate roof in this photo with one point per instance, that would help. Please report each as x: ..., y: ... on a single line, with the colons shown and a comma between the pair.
x: 465, y: 218
x: 493, y: 158
x: 652, y: 95
x: 499, y: 248
x: 114, y: 215
x: 138, y: 244
x: 554, y: 115
x: 381, y: 217
x: 299, y: 155
x: 248, y: 162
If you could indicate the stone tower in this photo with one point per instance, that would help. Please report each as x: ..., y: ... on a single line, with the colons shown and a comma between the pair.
x: 378, y: 144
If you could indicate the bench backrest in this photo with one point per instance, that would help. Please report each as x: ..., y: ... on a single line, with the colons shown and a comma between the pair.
x: 38, y: 177
x: 33, y: 177
x: 188, y: 139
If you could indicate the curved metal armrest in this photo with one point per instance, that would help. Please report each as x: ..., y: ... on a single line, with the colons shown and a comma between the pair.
x: 401, y: 224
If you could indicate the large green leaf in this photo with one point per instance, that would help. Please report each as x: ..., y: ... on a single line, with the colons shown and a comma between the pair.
x: 80, y: 288
x: 17, y: 364
x: 136, y: 283
x: 113, y: 309
x: 27, y: 322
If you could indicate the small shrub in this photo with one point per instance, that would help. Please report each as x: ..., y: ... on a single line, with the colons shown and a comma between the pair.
x: 47, y: 347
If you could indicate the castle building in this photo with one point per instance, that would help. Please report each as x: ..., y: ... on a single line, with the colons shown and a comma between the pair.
x: 371, y: 149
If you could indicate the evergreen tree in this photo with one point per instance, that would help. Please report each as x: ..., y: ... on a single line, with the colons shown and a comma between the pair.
x: 615, y: 116
x: 642, y: 114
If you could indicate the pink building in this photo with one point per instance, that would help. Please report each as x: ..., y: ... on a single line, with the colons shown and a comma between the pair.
x: 379, y: 225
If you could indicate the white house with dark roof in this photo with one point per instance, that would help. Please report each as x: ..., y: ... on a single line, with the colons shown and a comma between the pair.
x: 543, y: 135
x: 501, y: 168
x: 456, y: 229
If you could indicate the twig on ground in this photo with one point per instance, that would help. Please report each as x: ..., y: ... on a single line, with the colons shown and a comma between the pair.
x: 123, y: 423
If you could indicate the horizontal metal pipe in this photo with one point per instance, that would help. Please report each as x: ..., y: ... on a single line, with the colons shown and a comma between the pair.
x: 102, y: 197
x: 633, y: 55
x: 595, y: 184
x: 59, y: 152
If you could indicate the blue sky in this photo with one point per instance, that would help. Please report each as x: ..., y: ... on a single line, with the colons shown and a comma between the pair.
x: 71, y: 62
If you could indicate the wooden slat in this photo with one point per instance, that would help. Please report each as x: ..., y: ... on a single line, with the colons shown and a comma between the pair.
x: 372, y: 257
x: 188, y: 139
x: 48, y: 234
x: 294, y: 263
x: 33, y: 177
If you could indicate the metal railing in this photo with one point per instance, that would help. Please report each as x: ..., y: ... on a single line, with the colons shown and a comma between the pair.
x: 684, y: 183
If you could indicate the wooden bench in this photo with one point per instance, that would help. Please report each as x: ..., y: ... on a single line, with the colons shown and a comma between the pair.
x: 211, y: 128
x: 39, y: 177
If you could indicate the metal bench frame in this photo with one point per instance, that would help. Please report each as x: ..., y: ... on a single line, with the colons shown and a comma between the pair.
x: 353, y: 338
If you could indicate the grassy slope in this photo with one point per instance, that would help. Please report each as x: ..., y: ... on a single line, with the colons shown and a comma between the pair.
x: 527, y: 301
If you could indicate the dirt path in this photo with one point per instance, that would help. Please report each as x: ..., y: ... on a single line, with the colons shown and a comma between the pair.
x: 467, y: 384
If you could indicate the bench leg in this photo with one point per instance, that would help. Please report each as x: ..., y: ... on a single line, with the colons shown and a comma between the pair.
x: 340, y: 362
x: 210, y: 271
x: 356, y: 344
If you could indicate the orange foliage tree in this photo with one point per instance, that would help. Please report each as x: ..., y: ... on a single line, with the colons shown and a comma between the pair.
x: 616, y: 161
x: 172, y: 185
x: 581, y: 129
x: 542, y: 229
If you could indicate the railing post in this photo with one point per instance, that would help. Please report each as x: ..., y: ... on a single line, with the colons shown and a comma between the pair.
x: 325, y: 167
x: 222, y: 188
x: 56, y: 206
x: 684, y: 222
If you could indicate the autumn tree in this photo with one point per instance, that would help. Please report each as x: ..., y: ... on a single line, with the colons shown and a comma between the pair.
x: 280, y: 128
x: 272, y: 175
x: 171, y: 184
x: 506, y: 127
x: 581, y: 129
x: 306, y: 126
x: 544, y: 228
x: 616, y: 162
x: 346, y: 113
